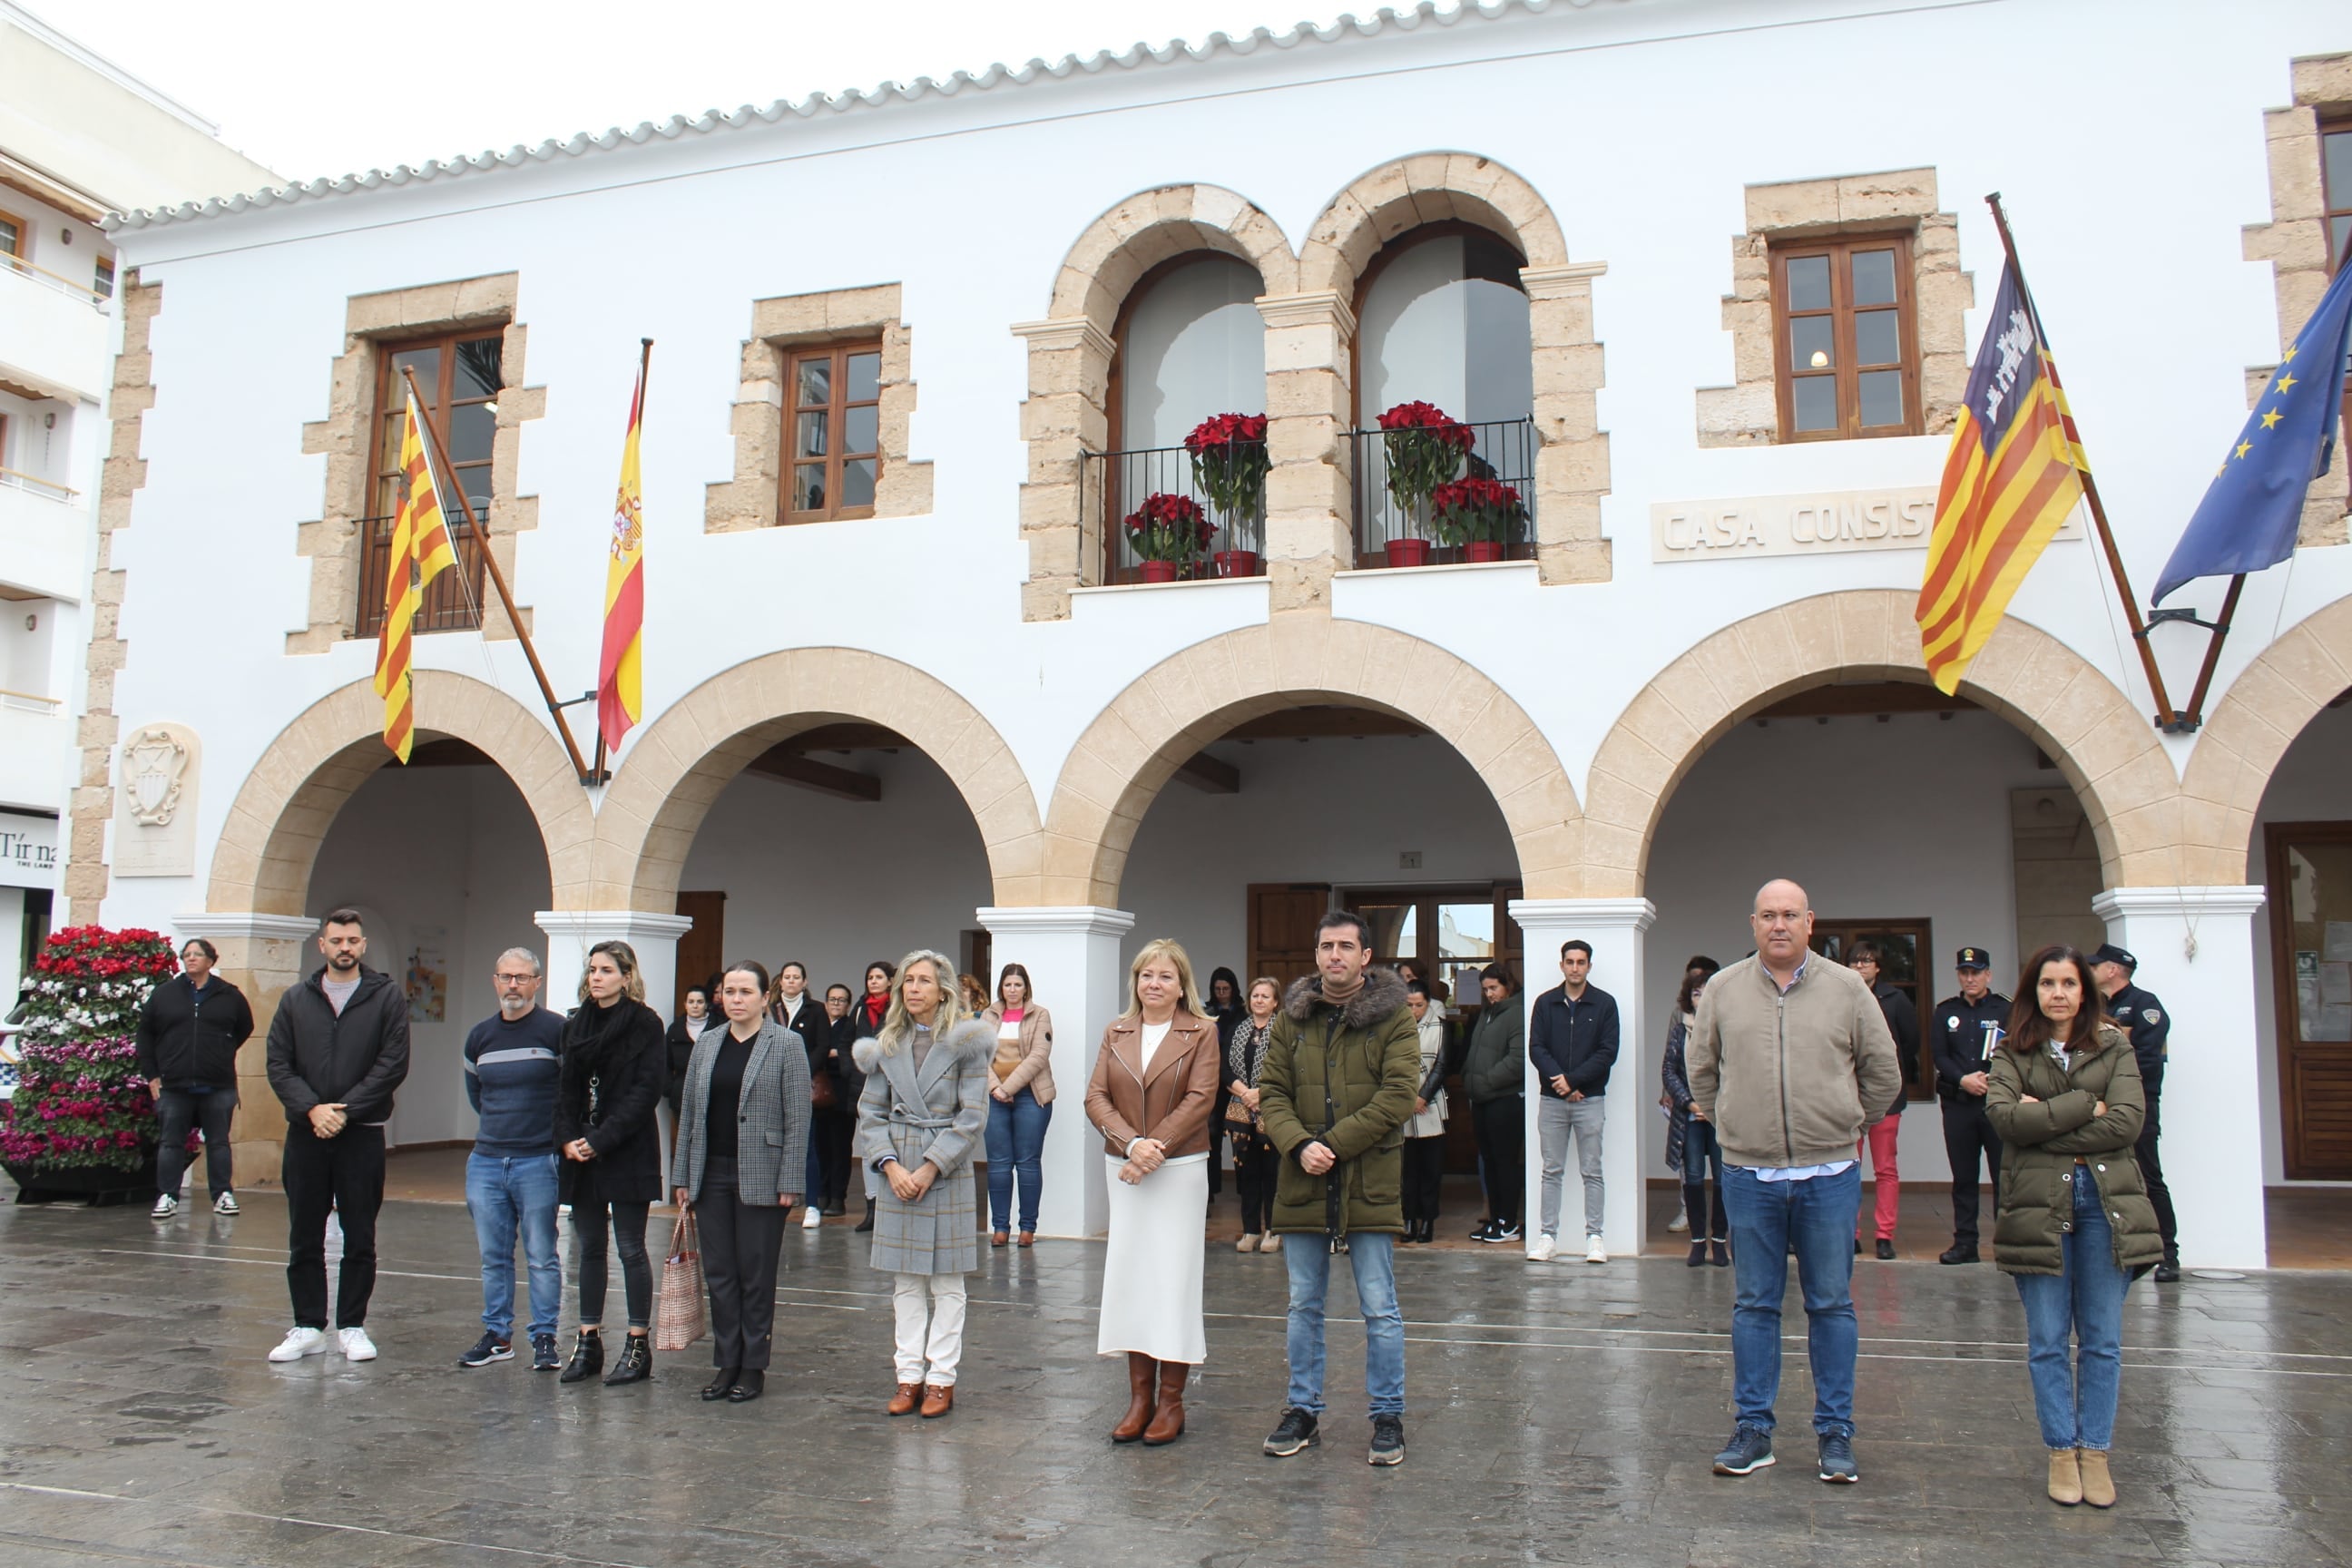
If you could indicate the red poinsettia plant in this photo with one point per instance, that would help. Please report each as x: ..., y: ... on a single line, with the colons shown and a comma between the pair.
x: 1169, y: 528
x: 1426, y: 447
x: 1475, y: 512
x: 1230, y: 464
x: 79, y: 1099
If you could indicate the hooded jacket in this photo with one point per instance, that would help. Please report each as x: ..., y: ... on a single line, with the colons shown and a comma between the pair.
x: 188, y: 1037
x: 2045, y: 1148
x: 1345, y: 1077
x: 355, y: 1060
x: 1790, y: 1078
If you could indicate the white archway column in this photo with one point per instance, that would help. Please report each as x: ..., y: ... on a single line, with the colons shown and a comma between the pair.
x: 1072, y: 954
x: 1615, y: 928
x: 2196, y: 952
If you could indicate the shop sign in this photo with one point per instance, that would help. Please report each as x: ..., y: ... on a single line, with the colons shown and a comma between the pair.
x: 28, y: 851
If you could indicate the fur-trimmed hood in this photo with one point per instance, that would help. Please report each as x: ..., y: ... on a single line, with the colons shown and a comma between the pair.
x: 1382, y: 995
x: 972, y: 1040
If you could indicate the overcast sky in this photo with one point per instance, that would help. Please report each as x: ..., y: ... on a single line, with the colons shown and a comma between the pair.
x: 282, y: 77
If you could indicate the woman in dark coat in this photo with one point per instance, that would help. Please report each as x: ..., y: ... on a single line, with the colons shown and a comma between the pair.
x: 189, y: 1032
x: 615, y: 1068
x: 684, y: 1030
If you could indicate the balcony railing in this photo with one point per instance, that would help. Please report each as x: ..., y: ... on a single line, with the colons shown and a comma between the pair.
x: 446, y: 608
x: 34, y: 485
x: 1503, y: 450
x: 49, y: 280
x: 1111, y: 485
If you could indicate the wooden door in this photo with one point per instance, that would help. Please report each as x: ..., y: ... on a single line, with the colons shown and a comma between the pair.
x: 702, y: 949
x: 1907, y: 962
x: 2310, y: 888
x: 1283, y: 918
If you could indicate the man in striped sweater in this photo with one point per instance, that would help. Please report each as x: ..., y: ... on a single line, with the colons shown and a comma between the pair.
x: 513, y: 1061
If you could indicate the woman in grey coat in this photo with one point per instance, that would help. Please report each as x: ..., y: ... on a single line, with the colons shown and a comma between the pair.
x: 742, y: 1146
x: 919, y: 1120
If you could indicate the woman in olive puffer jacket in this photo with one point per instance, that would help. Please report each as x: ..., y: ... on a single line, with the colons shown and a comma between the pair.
x: 2075, y: 1228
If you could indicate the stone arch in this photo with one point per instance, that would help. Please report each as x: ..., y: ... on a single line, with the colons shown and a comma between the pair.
x: 2258, y: 718
x: 678, y: 766
x: 1156, y: 226
x: 1428, y: 187
x: 2106, y: 749
x: 287, y: 803
x: 1192, y: 698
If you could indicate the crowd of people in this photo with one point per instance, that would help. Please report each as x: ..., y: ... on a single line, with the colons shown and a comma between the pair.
x: 1782, y: 1072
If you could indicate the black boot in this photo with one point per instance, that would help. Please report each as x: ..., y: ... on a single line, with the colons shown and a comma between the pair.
x: 587, y: 1357
x: 867, y: 1223
x: 636, y: 1363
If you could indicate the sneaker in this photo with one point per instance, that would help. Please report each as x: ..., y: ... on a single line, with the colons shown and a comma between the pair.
x: 1483, y: 1231
x: 226, y: 1204
x: 1295, y: 1432
x: 1543, y: 1249
x: 1388, y: 1440
x: 1751, y: 1449
x: 357, y: 1346
x: 1837, y: 1459
x: 300, y: 1342
x: 1593, y: 1251
x: 543, y: 1355
x: 1956, y: 1253
x: 812, y: 1218
x: 1680, y: 1223
x: 1508, y: 1233
x: 487, y: 1349
x: 166, y: 1205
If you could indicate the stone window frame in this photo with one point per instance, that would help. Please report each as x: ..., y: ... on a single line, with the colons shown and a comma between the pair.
x: 1846, y: 206
x: 331, y: 543
x: 2294, y: 242
x: 782, y: 325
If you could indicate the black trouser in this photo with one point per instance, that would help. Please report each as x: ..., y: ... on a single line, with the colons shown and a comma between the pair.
x: 1969, y: 1137
x: 831, y: 1129
x: 1700, y: 1151
x: 2151, y: 1175
x: 1257, y: 1165
x: 1424, y: 1175
x: 628, y: 1228
x: 1502, y: 1128
x: 1216, y: 1166
x: 342, y: 1174
x: 175, y: 1112
x: 741, y: 1242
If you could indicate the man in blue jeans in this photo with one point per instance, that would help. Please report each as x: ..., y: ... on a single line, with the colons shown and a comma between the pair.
x: 1343, y: 1071
x: 513, y: 1062
x: 1790, y: 1058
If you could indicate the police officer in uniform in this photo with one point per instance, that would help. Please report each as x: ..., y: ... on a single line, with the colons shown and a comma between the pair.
x: 2150, y: 1027
x: 1963, y: 1033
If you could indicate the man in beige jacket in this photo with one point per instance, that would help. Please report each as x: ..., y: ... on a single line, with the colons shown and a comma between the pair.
x: 1790, y: 1059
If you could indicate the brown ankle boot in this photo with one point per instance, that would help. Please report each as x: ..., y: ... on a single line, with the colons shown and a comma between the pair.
x: 938, y: 1398
x: 1140, y: 1370
x: 909, y: 1395
x: 1168, y: 1422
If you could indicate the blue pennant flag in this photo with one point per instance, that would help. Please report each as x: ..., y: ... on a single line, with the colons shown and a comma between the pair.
x: 2251, y: 511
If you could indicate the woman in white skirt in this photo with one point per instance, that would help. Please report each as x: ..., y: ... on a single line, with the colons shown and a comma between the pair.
x: 1155, y: 1082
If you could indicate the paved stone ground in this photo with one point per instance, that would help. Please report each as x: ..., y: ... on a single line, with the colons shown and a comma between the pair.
x: 1559, y: 1415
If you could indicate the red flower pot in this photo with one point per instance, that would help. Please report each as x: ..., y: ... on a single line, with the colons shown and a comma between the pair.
x: 1407, y: 552
x: 1484, y: 549
x: 1236, y: 562
x: 1156, y: 571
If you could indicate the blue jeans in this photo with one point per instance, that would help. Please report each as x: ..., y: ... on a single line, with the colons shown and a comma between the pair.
x: 1372, y: 1255
x: 1818, y: 1214
x: 504, y: 1196
x: 2077, y: 1404
x: 1016, y: 1137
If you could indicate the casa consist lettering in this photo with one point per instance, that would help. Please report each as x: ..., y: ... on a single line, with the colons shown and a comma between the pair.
x: 1751, y: 527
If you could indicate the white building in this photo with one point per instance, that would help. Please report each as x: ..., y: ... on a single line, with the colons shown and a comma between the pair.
x: 78, y: 139
x: 901, y: 691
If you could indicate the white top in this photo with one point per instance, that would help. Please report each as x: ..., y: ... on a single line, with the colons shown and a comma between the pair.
x: 1152, y: 1034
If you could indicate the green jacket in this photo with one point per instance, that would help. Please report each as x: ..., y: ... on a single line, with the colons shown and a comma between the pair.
x: 1346, y: 1077
x: 2039, y: 1141
x: 1495, y: 1066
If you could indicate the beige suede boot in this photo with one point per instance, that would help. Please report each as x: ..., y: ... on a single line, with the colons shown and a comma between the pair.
x: 2066, y: 1477
x: 2098, y: 1486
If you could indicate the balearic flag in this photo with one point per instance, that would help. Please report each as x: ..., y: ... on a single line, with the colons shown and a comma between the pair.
x: 2253, y: 508
x: 421, y: 550
x: 619, y: 670
x: 2014, y: 471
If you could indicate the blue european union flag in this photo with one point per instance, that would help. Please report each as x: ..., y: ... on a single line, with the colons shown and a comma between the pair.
x: 2251, y: 511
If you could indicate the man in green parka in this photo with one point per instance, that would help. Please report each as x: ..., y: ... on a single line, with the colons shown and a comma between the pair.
x: 1342, y: 1069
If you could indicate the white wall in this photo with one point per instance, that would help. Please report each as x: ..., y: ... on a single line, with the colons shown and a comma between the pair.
x: 2313, y: 783
x: 450, y: 857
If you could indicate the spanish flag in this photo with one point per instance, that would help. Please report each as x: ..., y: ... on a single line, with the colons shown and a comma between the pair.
x: 421, y: 550
x: 619, y: 670
x: 2014, y: 473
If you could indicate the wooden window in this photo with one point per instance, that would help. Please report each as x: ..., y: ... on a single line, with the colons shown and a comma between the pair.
x: 11, y: 236
x: 2335, y: 182
x: 2310, y: 908
x: 1847, y: 343
x: 103, y: 277
x: 458, y: 376
x: 1906, y: 962
x: 833, y: 428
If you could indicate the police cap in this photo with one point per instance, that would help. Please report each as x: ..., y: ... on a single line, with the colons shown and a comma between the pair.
x: 1973, y: 958
x: 2108, y: 952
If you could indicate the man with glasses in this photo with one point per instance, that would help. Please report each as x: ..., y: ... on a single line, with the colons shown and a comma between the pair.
x: 514, y: 1059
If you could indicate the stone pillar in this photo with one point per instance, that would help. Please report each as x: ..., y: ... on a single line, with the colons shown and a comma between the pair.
x: 261, y: 956
x: 1309, y: 530
x: 2196, y: 952
x: 572, y: 932
x: 1615, y: 927
x: 1072, y: 955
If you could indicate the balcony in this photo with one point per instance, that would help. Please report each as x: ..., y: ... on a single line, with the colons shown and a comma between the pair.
x: 44, y: 536
x: 55, y: 336
x: 1114, y: 486
x: 1394, y: 529
x: 35, y: 741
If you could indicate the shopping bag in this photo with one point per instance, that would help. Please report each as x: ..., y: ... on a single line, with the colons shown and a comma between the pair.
x: 680, y: 1311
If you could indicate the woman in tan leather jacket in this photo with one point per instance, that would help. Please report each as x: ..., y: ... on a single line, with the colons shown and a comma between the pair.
x: 1155, y: 1081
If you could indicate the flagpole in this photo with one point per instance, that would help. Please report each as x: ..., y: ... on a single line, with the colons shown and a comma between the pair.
x: 2220, y: 630
x: 498, y: 581
x: 2165, y: 719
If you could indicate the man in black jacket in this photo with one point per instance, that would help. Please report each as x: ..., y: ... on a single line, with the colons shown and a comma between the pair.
x: 338, y: 1048
x: 1879, y: 1138
x: 1573, y: 1041
x: 1964, y: 1030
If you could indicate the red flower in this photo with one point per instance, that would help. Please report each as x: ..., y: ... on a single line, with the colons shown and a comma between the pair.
x: 1169, y: 528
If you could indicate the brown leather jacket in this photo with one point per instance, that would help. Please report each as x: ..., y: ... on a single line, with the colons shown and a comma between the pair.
x: 1170, y: 1101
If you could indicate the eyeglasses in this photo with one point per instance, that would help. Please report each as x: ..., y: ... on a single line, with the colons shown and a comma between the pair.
x: 516, y: 979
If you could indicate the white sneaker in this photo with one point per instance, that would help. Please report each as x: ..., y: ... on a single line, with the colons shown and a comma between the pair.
x: 1593, y: 1251
x: 1680, y: 1223
x: 357, y: 1346
x: 166, y: 1205
x: 226, y: 1204
x: 300, y: 1342
x: 812, y: 1218
x: 1543, y: 1249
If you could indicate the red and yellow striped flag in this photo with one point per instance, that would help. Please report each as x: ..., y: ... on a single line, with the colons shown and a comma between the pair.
x: 421, y: 550
x: 2014, y: 473
x: 620, y: 670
